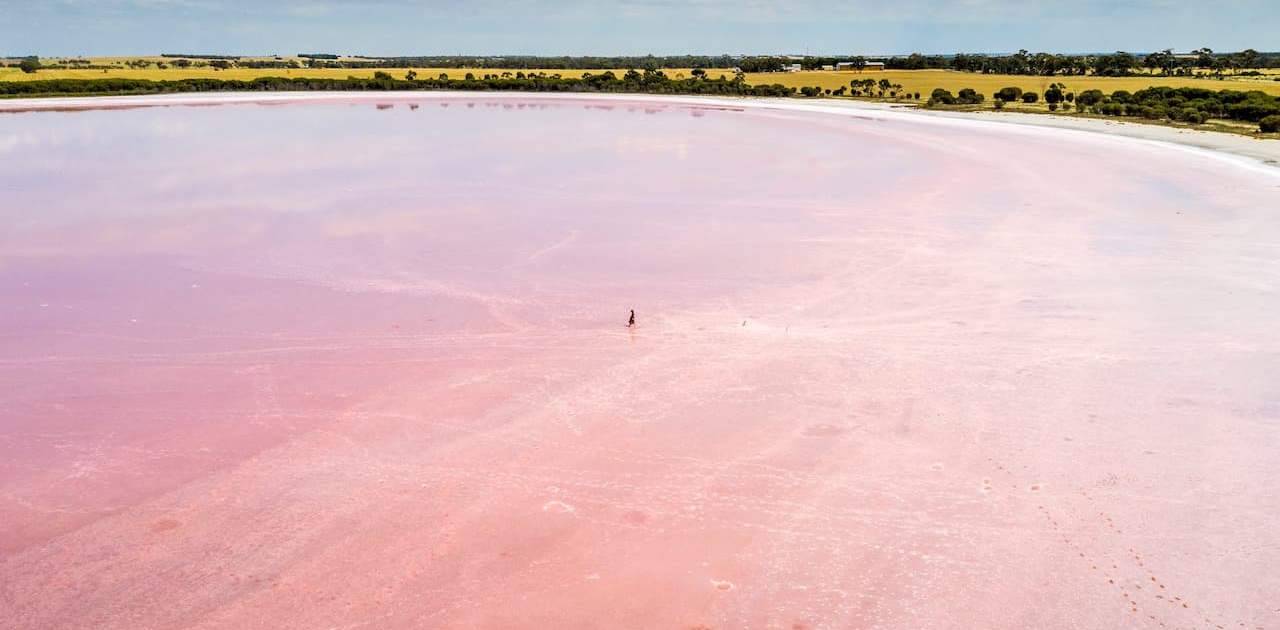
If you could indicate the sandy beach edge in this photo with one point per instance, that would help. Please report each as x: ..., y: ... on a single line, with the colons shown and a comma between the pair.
x: 1255, y: 153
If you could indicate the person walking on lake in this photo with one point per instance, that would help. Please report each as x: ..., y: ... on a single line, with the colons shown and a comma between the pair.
x: 632, y: 322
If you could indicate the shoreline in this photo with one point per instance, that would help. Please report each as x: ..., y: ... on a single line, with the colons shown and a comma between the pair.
x: 1264, y: 150
x: 1258, y: 153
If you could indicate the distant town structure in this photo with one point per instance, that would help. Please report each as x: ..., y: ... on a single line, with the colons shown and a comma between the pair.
x: 793, y: 67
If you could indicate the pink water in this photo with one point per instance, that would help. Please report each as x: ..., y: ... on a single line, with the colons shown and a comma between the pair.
x: 364, y: 364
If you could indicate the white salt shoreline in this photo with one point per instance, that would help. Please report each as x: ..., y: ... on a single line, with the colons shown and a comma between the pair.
x: 1259, y: 154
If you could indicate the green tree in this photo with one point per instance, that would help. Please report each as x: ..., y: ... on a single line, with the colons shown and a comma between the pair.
x: 1009, y: 94
x: 1089, y: 98
x: 1204, y: 58
x: 1054, y: 95
x: 1163, y: 61
x: 29, y: 65
x: 1248, y: 58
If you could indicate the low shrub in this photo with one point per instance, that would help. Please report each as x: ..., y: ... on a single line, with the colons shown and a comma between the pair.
x: 968, y: 96
x: 1089, y: 98
x: 940, y: 96
x: 1111, y: 109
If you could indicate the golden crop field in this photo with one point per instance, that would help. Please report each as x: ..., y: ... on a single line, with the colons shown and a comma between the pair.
x: 922, y: 81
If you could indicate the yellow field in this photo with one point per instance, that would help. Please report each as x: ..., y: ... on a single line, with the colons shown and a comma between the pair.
x: 922, y: 81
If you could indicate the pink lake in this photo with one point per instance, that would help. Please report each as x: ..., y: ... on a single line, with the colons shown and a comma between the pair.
x: 362, y: 362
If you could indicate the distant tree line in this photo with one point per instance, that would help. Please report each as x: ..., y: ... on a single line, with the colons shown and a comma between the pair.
x: 270, y: 64
x: 1022, y: 62
x: 1200, y: 62
x: 648, y: 82
x: 31, y: 64
x: 188, y: 56
x: 1163, y: 62
x: 514, y: 62
x: 529, y: 62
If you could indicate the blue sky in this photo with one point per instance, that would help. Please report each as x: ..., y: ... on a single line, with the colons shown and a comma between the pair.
x: 384, y: 27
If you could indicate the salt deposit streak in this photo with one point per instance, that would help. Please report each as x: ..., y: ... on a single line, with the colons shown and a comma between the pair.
x: 363, y: 362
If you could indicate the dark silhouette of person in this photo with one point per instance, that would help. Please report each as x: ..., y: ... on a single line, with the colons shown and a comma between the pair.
x: 632, y: 322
